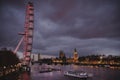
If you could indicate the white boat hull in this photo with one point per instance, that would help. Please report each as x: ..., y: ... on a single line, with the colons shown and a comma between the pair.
x: 75, y: 75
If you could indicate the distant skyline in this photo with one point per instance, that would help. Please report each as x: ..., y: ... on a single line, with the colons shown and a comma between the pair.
x: 90, y: 26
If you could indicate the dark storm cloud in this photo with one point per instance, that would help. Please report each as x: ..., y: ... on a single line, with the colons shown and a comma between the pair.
x: 91, y: 26
x: 10, y: 24
x: 94, y: 19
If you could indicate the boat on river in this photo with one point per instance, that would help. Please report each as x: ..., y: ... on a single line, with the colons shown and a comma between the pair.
x: 76, y: 74
x: 44, y: 70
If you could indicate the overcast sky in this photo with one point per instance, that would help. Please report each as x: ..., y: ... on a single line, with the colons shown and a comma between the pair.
x: 91, y: 26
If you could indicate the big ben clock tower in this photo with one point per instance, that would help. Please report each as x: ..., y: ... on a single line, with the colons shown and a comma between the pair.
x: 75, y: 56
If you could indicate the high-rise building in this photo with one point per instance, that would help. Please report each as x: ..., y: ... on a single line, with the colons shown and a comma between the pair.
x: 38, y: 56
x: 75, y: 56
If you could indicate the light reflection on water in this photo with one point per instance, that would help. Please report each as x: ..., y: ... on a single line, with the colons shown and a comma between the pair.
x: 98, y: 73
x: 16, y: 76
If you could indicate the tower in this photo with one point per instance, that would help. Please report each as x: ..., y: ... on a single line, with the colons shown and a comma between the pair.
x: 61, y: 54
x: 75, y: 56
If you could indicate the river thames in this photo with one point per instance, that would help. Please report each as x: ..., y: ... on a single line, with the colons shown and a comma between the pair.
x: 99, y: 73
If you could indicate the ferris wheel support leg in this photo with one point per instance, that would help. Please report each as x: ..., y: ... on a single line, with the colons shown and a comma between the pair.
x: 16, y: 49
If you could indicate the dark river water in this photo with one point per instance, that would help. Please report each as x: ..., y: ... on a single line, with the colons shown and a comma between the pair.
x: 98, y: 73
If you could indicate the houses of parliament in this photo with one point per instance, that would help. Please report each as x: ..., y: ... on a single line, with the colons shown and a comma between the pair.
x: 61, y: 59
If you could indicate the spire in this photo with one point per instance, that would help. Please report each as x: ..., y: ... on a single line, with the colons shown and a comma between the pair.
x: 75, y: 50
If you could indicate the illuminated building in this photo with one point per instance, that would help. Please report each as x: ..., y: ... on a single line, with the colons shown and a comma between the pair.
x: 75, y: 56
x: 61, y: 55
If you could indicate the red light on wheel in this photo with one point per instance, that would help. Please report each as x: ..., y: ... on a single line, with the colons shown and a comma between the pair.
x: 27, y: 58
